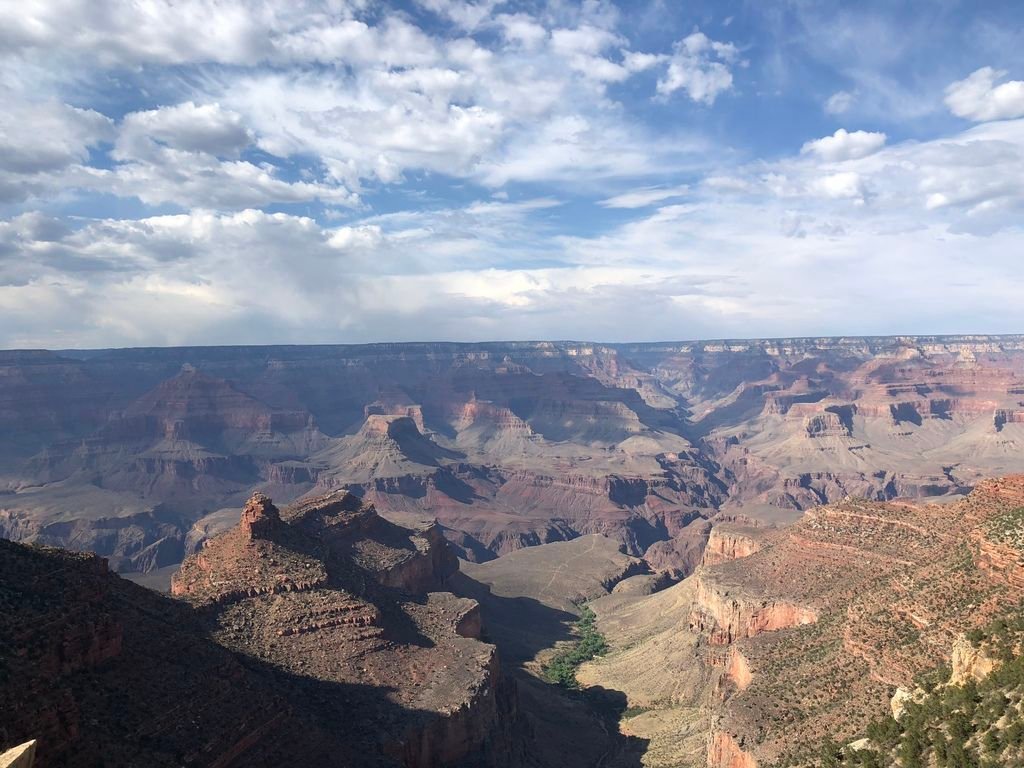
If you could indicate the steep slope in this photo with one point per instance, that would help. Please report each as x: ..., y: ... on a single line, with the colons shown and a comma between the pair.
x: 809, y: 636
x: 507, y: 444
x: 312, y: 641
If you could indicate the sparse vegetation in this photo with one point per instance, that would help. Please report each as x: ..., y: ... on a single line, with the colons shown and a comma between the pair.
x: 1008, y: 528
x: 634, y: 711
x: 561, y: 670
x: 974, y: 725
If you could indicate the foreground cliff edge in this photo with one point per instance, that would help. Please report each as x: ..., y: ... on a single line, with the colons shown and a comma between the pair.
x: 310, y: 635
x: 798, y: 646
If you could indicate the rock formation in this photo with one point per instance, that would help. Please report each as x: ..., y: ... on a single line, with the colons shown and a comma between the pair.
x: 21, y: 756
x: 304, y: 637
x: 124, y: 452
x: 808, y: 634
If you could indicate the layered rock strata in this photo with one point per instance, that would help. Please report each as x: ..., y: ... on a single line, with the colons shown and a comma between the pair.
x: 304, y: 637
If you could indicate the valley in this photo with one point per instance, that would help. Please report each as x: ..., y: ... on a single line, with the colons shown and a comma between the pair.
x: 766, y: 543
x: 141, y: 455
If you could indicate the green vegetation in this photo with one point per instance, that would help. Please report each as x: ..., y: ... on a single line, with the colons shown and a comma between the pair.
x: 1003, y: 636
x: 1008, y: 528
x: 589, y: 643
x: 974, y: 725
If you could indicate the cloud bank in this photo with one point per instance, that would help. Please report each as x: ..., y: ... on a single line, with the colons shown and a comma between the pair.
x: 344, y: 171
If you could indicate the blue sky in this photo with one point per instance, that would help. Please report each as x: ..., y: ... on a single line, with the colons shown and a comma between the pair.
x: 347, y: 170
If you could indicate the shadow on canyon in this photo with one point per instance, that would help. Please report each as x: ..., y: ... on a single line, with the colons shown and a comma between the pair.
x: 106, y: 672
x: 563, y: 728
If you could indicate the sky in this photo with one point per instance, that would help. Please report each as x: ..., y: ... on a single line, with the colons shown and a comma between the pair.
x: 181, y: 172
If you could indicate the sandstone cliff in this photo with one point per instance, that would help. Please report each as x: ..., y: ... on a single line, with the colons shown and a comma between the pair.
x: 314, y: 639
x: 807, y: 637
x: 508, y: 445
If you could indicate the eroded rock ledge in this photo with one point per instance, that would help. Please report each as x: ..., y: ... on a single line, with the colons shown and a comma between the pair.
x: 309, y: 636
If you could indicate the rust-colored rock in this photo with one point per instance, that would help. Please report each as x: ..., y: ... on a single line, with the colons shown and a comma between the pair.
x: 725, y: 752
x: 326, y: 650
x: 730, y: 542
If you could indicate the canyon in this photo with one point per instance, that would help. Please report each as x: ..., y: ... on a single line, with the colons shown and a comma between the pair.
x: 371, y: 554
x: 815, y: 632
x: 140, y: 455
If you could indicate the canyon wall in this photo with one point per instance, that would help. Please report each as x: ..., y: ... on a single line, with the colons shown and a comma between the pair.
x: 787, y: 637
x: 508, y: 445
x: 310, y: 636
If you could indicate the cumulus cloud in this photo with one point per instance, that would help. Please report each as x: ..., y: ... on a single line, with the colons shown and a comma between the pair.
x: 112, y: 34
x: 843, y: 145
x: 203, y: 128
x: 45, y: 147
x: 846, y: 185
x: 47, y: 136
x: 977, y: 97
x: 974, y: 179
x: 700, y: 67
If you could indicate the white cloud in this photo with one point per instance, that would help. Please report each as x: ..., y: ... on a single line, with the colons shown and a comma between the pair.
x: 204, y: 128
x: 45, y: 146
x: 115, y: 34
x: 723, y: 263
x: 467, y: 15
x: 47, y: 136
x: 641, y: 198
x: 843, y: 145
x: 293, y: 102
x: 198, y: 180
x: 845, y: 185
x: 977, y: 97
x: 390, y: 100
x: 973, y: 181
x: 699, y: 66
x: 839, y: 102
x: 522, y: 29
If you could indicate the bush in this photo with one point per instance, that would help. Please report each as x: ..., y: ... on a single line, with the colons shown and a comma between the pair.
x: 590, y: 643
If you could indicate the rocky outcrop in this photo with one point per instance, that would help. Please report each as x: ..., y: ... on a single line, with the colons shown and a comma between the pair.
x: 21, y: 756
x: 680, y: 555
x: 329, y: 589
x: 725, y: 752
x: 831, y: 423
x: 970, y: 662
x: 724, y: 614
x: 260, y: 556
x: 737, y: 668
x: 730, y: 542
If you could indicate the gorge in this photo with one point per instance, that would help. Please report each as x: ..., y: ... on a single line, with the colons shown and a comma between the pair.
x: 385, y: 546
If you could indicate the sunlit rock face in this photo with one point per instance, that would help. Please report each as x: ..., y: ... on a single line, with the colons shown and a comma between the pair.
x: 319, y: 634
x: 141, y: 455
